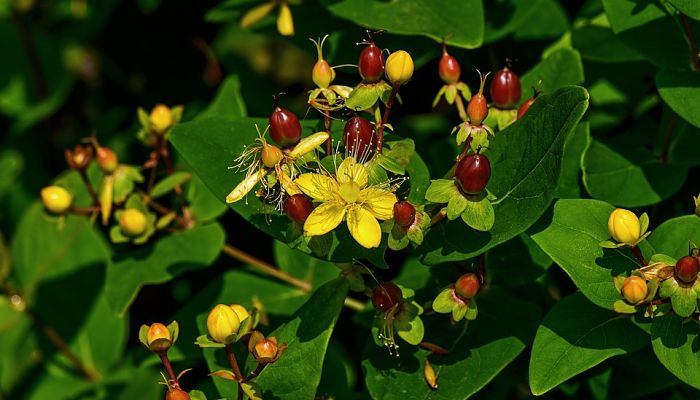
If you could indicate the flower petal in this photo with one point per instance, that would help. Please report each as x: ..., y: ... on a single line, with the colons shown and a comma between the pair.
x: 245, y: 186
x: 319, y: 187
x: 351, y: 170
x: 380, y: 202
x: 363, y: 227
x: 324, y: 218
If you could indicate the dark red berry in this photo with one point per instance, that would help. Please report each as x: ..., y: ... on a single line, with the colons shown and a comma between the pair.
x: 467, y: 286
x: 449, y: 68
x: 385, y: 296
x: 359, y: 136
x: 298, y: 207
x: 505, y: 88
x: 404, y: 213
x: 371, y: 63
x: 176, y: 394
x: 473, y: 172
x: 687, y: 269
x: 285, y: 128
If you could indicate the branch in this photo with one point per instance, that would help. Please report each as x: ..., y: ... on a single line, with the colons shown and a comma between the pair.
x: 694, y: 56
x: 385, y: 117
x: 267, y: 268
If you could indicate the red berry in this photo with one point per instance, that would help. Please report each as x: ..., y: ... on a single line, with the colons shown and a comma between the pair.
x: 449, y: 68
x: 404, y: 213
x: 298, y: 207
x: 176, y: 394
x: 385, y: 296
x: 371, y: 63
x: 473, y: 172
x: 106, y: 159
x: 285, y: 128
x: 687, y: 269
x: 467, y: 286
x: 359, y: 136
x: 505, y: 88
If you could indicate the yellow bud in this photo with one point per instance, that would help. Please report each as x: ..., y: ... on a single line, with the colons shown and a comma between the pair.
x: 161, y: 118
x: 159, y: 338
x: 285, y: 22
x: 429, y: 375
x: 308, y: 144
x: 634, y: 289
x: 56, y: 199
x: 240, y: 311
x: 322, y: 74
x: 399, y: 67
x: 132, y: 222
x: 223, y: 324
x: 624, y: 226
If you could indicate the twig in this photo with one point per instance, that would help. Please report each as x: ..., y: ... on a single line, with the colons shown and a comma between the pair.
x: 638, y: 253
x: 269, y: 269
x: 694, y: 56
x: 168, y: 367
x: 327, y: 124
x: 439, y: 216
x: 385, y: 117
x: 89, y: 187
x: 236, y: 370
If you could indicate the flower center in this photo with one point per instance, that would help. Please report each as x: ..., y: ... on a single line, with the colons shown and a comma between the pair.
x: 349, y: 191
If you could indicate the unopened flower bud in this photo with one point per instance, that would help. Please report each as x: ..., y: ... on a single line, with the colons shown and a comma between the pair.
x: 467, y: 286
x: 399, y: 67
x: 176, y: 394
x: 106, y: 159
x: 271, y: 155
x: 240, y: 311
x: 624, y: 226
x: 132, y: 222
x: 223, y: 324
x: 161, y: 118
x: 56, y: 199
x: 634, y: 289
x: 265, y: 349
x: 322, y: 74
x: 159, y: 338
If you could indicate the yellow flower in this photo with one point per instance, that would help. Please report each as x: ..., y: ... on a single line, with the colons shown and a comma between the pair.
x: 346, y: 196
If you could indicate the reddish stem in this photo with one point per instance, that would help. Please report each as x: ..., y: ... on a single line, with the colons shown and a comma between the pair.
x: 638, y: 253
x: 89, y: 187
x: 694, y: 56
x: 168, y: 367
x: 236, y: 370
x: 329, y: 142
x: 385, y: 117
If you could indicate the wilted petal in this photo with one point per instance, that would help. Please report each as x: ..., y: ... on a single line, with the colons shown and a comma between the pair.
x: 351, y: 170
x: 324, y: 218
x: 319, y: 187
x: 363, y: 227
x: 380, y: 202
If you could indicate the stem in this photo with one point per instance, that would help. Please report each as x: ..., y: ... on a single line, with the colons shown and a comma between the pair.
x: 255, y: 373
x: 638, y: 253
x: 694, y: 56
x: 439, y: 216
x: 164, y: 210
x: 385, y: 117
x: 329, y: 142
x: 460, y: 108
x: 269, y: 269
x: 37, y: 72
x: 89, y: 187
x: 668, y: 136
x: 165, y: 155
x: 168, y: 367
x: 236, y: 370
x: 84, y: 210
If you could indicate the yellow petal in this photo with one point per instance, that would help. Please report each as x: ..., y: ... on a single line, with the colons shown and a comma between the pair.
x: 380, y: 202
x: 324, y: 218
x: 286, y: 182
x: 244, y: 187
x: 363, y: 227
x: 308, y: 144
x: 351, y: 170
x: 319, y: 187
x: 285, y: 23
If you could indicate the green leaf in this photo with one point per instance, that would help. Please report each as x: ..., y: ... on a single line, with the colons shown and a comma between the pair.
x: 597, y: 42
x: 204, y: 205
x: 461, y: 24
x: 362, y: 97
x: 516, y: 262
x: 574, y: 148
x: 304, y: 266
x: 442, y: 191
x: 477, y: 354
x: 11, y: 165
x: 161, y: 261
x: 560, y: 68
x: 690, y: 8
x: 638, y: 26
x: 673, y: 235
x: 674, y: 341
x: 228, y: 101
x: 525, y: 163
x: 681, y: 91
x: 571, y: 234
x: 298, y: 372
x: 575, y: 336
x: 166, y: 185
x: 638, y: 181
x: 522, y: 17
x: 456, y: 206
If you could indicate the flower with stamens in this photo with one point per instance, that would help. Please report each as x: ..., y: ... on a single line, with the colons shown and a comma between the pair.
x: 346, y: 196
